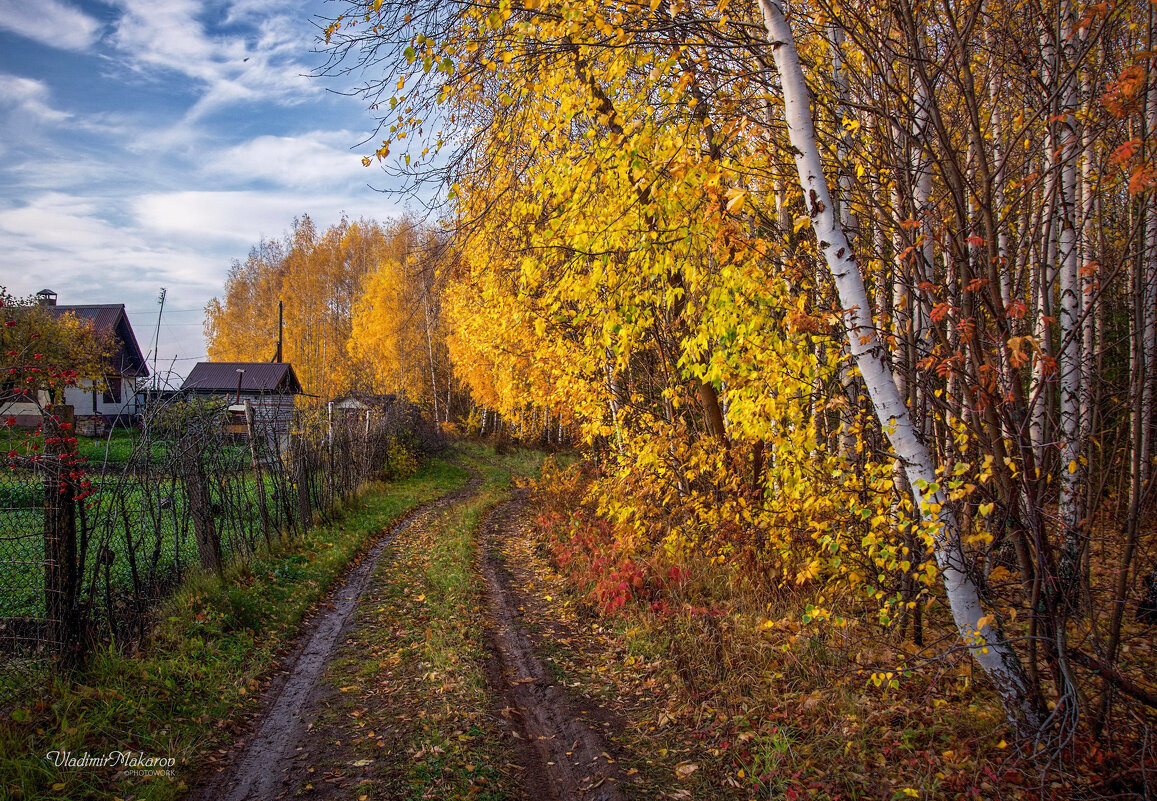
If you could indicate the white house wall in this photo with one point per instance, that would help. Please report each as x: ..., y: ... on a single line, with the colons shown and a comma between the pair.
x: 81, y: 400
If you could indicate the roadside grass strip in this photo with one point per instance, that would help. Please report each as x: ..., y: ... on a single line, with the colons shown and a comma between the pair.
x: 712, y: 706
x: 190, y: 688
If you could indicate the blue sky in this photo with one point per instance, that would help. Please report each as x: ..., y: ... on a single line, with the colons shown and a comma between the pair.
x: 148, y: 143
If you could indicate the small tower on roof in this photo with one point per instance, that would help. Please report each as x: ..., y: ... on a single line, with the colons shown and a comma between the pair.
x: 46, y: 297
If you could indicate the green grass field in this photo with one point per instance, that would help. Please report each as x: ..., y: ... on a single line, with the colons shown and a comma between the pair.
x: 115, y: 448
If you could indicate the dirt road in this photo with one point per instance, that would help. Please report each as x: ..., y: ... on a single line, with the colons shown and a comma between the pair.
x: 258, y: 770
x: 312, y: 739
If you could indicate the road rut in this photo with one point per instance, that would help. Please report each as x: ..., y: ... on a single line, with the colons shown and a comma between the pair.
x: 564, y: 756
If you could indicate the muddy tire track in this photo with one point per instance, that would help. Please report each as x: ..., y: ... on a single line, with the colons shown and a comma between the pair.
x: 259, y: 770
x: 564, y: 757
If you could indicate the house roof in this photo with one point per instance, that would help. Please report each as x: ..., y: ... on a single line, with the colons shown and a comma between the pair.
x: 221, y: 377
x: 362, y: 401
x: 110, y: 318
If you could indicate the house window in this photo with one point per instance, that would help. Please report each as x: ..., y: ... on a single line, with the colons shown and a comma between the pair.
x: 112, y: 390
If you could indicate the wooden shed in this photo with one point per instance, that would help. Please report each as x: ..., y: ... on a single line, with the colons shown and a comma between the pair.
x: 267, y: 388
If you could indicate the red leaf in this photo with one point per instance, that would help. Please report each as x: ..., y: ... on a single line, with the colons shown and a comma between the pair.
x: 940, y: 311
x: 1124, y: 154
x: 1143, y: 179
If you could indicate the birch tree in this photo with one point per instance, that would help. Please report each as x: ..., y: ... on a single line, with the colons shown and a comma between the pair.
x: 989, y: 647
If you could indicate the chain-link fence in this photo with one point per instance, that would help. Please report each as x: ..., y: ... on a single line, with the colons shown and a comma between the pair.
x: 86, y: 549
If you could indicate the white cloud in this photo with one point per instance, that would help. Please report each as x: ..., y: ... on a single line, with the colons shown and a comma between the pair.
x: 30, y: 96
x: 242, y: 10
x: 62, y: 242
x: 107, y: 203
x: 53, y: 233
x: 315, y: 159
x: 185, y: 241
x: 50, y: 22
x: 170, y: 35
x: 238, y: 218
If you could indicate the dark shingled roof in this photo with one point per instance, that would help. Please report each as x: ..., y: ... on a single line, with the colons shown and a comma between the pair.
x: 221, y: 377
x: 110, y: 318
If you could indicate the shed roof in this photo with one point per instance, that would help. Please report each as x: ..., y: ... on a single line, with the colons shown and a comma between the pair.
x: 221, y: 377
x: 110, y: 318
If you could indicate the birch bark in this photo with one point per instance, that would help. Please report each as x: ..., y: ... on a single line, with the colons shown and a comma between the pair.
x: 1149, y: 318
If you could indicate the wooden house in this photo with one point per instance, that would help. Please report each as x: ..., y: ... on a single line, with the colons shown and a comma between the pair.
x: 357, y: 405
x: 112, y: 401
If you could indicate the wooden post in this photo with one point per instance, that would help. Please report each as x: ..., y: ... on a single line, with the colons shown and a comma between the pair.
x: 61, y: 579
x: 301, y: 479
x: 200, y: 504
x: 257, y: 475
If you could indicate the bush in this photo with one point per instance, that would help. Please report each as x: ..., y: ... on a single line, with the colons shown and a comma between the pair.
x: 402, y: 460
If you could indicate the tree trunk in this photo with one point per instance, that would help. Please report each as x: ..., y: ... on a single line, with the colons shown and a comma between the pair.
x: 988, y: 646
x: 1071, y: 333
x: 430, y: 351
x: 200, y: 505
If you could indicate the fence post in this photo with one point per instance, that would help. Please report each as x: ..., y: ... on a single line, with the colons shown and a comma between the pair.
x: 257, y: 475
x: 61, y: 580
x: 301, y: 478
x: 200, y: 504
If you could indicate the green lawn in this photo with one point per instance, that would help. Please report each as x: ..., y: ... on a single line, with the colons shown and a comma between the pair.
x: 115, y: 447
x: 143, y: 527
x: 198, y: 673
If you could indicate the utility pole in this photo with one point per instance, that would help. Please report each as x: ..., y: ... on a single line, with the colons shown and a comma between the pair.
x: 277, y: 358
x: 157, y: 337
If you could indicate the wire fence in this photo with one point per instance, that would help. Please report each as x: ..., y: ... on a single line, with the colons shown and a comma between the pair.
x: 88, y: 548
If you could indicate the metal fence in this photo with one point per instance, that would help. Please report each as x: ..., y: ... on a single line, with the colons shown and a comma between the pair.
x: 86, y: 549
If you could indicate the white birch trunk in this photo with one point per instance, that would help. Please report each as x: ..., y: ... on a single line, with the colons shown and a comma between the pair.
x: 998, y: 195
x: 879, y: 244
x: 613, y: 398
x: 1004, y: 268
x: 924, y: 267
x: 988, y: 646
x: 1088, y: 285
x: 847, y: 440
x: 901, y: 308
x: 430, y: 351
x: 1071, y: 333
x: 1040, y: 390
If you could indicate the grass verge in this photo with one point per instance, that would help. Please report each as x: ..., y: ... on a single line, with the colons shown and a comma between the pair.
x: 187, y: 691
x: 727, y: 692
